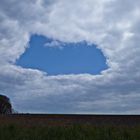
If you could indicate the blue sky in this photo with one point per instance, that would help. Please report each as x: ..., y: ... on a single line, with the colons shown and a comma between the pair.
x: 65, y: 58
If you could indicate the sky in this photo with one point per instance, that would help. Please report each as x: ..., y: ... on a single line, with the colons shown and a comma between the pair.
x: 104, y: 81
x: 57, y: 58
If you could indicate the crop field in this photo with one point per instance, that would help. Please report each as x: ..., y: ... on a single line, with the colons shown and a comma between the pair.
x: 69, y: 127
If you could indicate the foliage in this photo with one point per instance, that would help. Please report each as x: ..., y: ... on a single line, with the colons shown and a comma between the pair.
x: 5, y: 105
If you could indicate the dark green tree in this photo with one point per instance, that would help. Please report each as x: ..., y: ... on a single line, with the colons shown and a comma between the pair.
x: 5, y: 105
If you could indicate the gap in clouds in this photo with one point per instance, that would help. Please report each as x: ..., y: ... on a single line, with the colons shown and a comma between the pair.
x: 55, y: 57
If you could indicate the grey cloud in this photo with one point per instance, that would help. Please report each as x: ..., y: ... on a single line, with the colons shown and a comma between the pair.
x: 105, y: 23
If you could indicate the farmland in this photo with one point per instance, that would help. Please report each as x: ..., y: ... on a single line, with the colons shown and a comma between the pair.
x: 69, y: 127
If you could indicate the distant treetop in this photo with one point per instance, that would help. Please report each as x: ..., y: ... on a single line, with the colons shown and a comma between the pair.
x: 5, y: 105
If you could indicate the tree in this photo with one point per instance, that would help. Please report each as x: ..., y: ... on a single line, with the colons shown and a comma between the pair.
x: 5, y: 105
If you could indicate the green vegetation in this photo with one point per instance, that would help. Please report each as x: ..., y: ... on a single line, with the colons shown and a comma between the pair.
x: 71, y: 132
x: 5, y: 105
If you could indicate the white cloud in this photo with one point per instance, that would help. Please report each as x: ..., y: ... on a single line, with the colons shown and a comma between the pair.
x: 54, y: 44
x: 111, y: 24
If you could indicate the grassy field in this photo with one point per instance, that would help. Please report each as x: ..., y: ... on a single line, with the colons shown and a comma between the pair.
x: 69, y: 127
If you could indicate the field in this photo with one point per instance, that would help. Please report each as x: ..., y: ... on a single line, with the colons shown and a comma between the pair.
x: 69, y: 127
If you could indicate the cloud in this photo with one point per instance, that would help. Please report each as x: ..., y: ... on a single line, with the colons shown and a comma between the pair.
x: 113, y: 25
x: 54, y: 44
